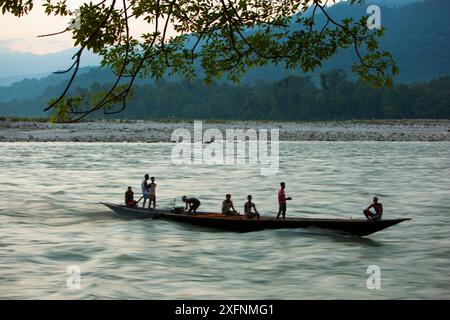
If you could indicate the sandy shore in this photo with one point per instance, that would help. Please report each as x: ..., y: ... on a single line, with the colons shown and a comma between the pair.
x: 152, y: 131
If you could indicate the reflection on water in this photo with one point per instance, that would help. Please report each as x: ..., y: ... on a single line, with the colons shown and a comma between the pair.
x: 50, y: 219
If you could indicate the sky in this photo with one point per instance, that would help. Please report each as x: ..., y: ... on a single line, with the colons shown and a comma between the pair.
x: 20, y: 34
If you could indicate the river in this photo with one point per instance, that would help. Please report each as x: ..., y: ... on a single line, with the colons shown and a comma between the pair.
x: 51, y: 224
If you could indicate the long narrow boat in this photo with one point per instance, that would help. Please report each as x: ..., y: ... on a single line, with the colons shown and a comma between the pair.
x: 358, y: 227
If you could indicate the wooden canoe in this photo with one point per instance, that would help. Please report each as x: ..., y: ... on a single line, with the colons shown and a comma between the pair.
x: 358, y: 227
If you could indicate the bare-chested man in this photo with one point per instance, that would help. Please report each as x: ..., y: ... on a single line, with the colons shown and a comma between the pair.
x: 228, y: 207
x: 378, y: 207
x: 192, y: 203
x: 249, y: 205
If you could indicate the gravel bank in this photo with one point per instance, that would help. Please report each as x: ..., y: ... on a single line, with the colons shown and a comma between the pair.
x: 151, y: 131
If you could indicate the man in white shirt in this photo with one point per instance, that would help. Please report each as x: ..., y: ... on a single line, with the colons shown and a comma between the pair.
x: 144, y: 188
x: 152, y: 192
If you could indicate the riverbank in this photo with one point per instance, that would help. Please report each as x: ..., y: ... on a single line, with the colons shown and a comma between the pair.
x: 154, y: 131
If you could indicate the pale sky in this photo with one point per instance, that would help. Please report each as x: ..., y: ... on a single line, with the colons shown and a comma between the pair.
x: 20, y: 34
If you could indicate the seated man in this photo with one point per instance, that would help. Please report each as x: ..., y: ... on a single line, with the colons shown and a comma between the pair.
x: 129, y: 198
x: 227, y: 206
x: 248, y: 209
x: 378, y: 207
x: 193, y: 204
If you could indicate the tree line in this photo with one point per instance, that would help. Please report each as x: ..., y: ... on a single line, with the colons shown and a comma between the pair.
x: 335, y: 97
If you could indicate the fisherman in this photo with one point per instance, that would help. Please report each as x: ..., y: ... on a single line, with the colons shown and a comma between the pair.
x: 228, y: 207
x: 129, y: 198
x: 248, y: 209
x: 378, y: 207
x: 282, y: 201
x: 193, y: 204
x: 144, y: 187
x: 152, y: 192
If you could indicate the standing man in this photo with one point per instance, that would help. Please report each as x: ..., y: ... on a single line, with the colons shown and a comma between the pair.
x: 144, y: 188
x: 152, y: 192
x: 282, y: 201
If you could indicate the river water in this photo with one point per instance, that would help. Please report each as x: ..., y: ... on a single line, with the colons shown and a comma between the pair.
x: 51, y: 224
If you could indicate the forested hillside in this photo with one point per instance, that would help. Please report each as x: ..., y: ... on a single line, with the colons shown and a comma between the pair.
x: 418, y: 34
x: 293, y: 98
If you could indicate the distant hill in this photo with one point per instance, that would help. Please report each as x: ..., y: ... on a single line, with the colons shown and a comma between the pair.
x: 392, y: 3
x: 33, y: 88
x: 292, y: 98
x: 7, y: 81
x: 418, y: 35
x: 14, y: 64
